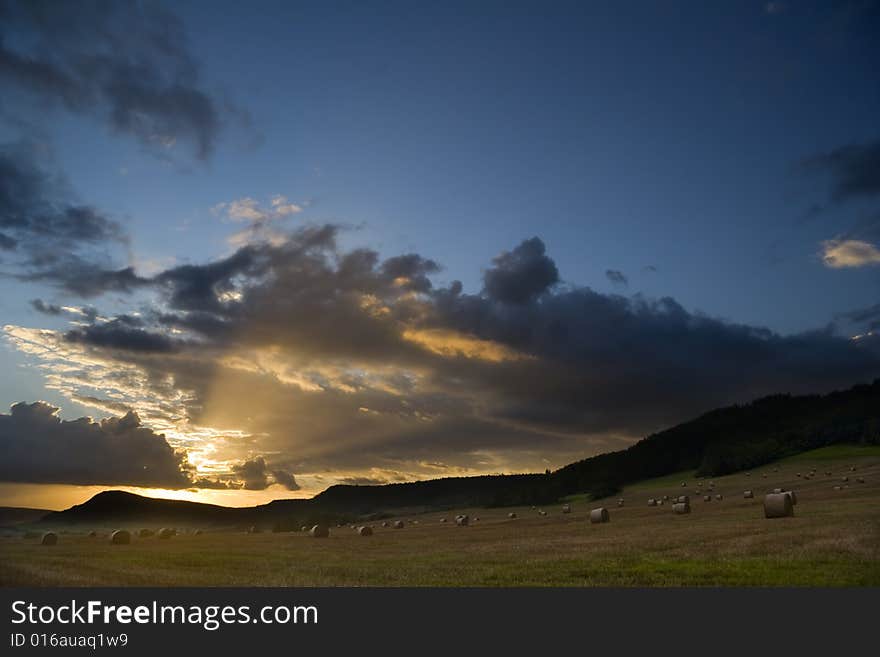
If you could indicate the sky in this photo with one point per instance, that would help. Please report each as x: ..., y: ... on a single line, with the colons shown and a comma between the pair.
x: 252, y: 250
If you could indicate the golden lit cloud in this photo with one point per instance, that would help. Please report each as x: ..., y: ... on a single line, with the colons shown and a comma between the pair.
x: 454, y: 344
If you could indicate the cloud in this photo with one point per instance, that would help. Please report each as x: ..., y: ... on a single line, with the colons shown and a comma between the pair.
x: 340, y: 361
x: 46, y: 308
x: 38, y: 447
x: 846, y: 253
x: 126, y: 64
x: 254, y: 474
x: 521, y: 275
x: 854, y: 169
x: 616, y: 277
x: 775, y: 7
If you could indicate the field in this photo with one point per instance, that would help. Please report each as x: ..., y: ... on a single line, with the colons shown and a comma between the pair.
x: 833, y: 540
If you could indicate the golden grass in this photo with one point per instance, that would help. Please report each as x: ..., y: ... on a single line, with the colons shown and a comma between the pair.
x: 833, y: 540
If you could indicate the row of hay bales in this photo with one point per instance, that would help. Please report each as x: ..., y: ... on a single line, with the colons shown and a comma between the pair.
x: 118, y: 536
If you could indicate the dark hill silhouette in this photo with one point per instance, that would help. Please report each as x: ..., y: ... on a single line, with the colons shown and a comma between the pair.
x: 719, y: 442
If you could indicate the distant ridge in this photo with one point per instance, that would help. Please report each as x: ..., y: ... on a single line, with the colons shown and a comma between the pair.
x: 719, y: 442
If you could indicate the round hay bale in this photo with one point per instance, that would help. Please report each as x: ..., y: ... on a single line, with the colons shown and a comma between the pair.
x: 542, y: 513
x: 197, y: 532
x: 120, y: 537
x: 462, y: 521
x: 620, y: 502
x: 684, y: 484
x: 707, y: 498
x: 778, y: 505
x: 661, y: 502
x: 442, y: 519
x: 385, y: 523
x: 320, y: 531
x: 599, y: 515
x: 510, y: 515
x: 838, y: 488
x: 683, y: 499
x: 666, y: 498
x: 398, y: 524
x: 49, y: 538
x: 476, y: 518
x: 365, y: 531
x: 166, y: 533
x: 566, y: 508
x: 719, y: 497
x: 304, y: 528
x: 681, y: 507
x: 792, y: 495
x: 748, y: 474
x: 93, y: 534
x: 852, y: 468
x: 797, y: 474
x: 859, y: 480
x: 145, y: 533
x: 844, y: 478
x: 652, y: 502
x: 748, y: 494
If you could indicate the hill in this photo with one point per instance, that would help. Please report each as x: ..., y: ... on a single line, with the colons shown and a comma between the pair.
x: 720, y: 442
x: 13, y: 515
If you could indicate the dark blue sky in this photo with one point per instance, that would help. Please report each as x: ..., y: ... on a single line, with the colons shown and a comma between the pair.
x: 691, y: 147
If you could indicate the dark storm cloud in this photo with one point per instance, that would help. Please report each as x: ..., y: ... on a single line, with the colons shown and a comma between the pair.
x: 76, y: 275
x: 35, y: 206
x: 38, y: 447
x: 868, y: 318
x: 616, y: 277
x: 124, y: 335
x: 521, y: 275
x: 286, y: 479
x: 854, y: 169
x: 7, y: 243
x: 364, y: 370
x: 254, y: 474
x: 46, y: 308
x: 126, y: 63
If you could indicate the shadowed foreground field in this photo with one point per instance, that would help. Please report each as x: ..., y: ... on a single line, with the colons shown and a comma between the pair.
x: 833, y: 540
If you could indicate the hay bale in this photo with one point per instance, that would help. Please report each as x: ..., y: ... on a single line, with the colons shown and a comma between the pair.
x: 385, y: 523
x: 681, y: 507
x: 748, y: 474
x: 365, y: 531
x: 792, y: 495
x: 166, y: 533
x: 748, y: 494
x: 542, y: 512
x: 320, y: 531
x: 93, y: 534
x: 145, y: 533
x: 197, y: 532
x: 566, y: 508
x: 683, y: 499
x: 838, y: 488
x: 510, y: 515
x: 661, y: 502
x: 666, y: 498
x: 707, y: 498
x: 49, y: 538
x: 797, y: 474
x: 599, y: 515
x: 462, y: 520
x: 442, y: 519
x: 398, y: 524
x: 778, y: 505
x: 844, y: 478
x: 652, y: 502
x: 620, y: 502
x: 304, y: 528
x: 476, y: 518
x: 859, y: 480
x: 684, y: 484
x: 852, y: 468
x: 719, y: 497
x: 120, y: 537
